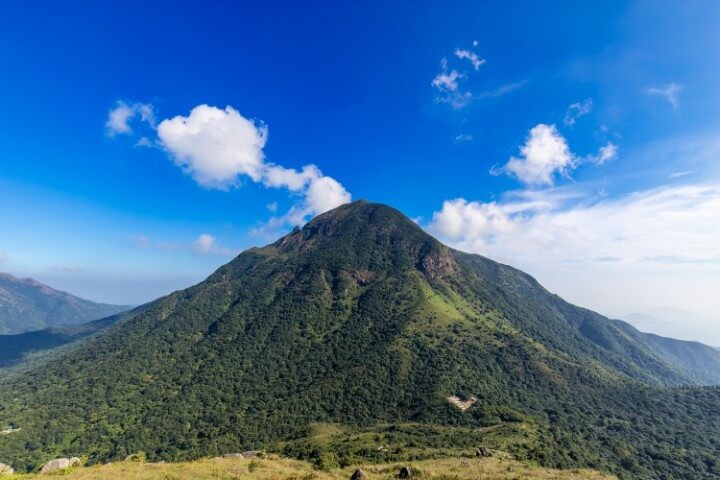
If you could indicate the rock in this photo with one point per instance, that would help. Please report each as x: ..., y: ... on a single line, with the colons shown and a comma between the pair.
x: 60, y: 464
x: 233, y: 455
x: 136, y: 457
x: 482, y: 451
x: 252, y: 454
x: 359, y: 475
x: 405, y: 472
x: 6, y: 469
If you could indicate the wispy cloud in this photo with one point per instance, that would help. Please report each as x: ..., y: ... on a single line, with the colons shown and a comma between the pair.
x: 659, y: 225
x: 470, y: 56
x: 605, y: 154
x: 684, y: 173
x: 670, y: 92
x: 120, y: 116
x: 503, y: 89
x: 577, y: 111
x: 463, y: 137
x: 447, y: 85
x: 3, y: 256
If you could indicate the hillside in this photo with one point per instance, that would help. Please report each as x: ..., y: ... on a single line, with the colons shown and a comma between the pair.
x: 362, y: 319
x: 28, y: 305
x: 17, y: 348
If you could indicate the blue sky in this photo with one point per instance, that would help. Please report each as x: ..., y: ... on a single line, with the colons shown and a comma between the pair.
x: 142, y: 146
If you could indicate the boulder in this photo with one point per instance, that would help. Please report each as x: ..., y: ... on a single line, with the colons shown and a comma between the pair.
x: 136, y: 457
x: 252, y: 454
x: 60, y: 464
x: 359, y: 475
x: 482, y: 451
x: 405, y: 472
x: 233, y: 455
x: 6, y: 469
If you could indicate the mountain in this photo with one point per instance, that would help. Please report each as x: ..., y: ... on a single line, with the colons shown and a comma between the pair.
x: 363, y: 321
x: 27, y: 305
x: 16, y: 348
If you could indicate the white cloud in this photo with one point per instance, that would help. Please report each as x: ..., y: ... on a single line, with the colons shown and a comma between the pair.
x: 577, y: 110
x: 206, y: 244
x: 119, y: 117
x: 3, y: 256
x: 463, y: 137
x: 669, y: 92
x: 544, y: 154
x: 606, y: 153
x: 470, y: 56
x: 272, y: 207
x: 447, y: 80
x: 219, y: 147
x: 447, y: 84
x: 626, y: 252
x: 215, y: 146
x: 680, y: 174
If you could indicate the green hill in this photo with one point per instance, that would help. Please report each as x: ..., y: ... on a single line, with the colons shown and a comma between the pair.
x: 362, y: 319
x: 28, y: 305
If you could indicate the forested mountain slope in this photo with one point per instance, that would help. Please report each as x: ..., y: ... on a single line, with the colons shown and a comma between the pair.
x: 362, y: 319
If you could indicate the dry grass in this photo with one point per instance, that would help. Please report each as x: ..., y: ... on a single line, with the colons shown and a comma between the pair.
x: 285, y: 469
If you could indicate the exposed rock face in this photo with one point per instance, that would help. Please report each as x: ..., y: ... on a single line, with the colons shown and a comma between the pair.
x: 233, y: 455
x: 482, y: 451
x: 405, y: 472
x: 359, y: 475
x: 252, y: 454
x: 6, y: 469
x: 60, y: 464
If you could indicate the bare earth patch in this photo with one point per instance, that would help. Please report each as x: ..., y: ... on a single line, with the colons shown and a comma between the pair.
x: 462, y: 404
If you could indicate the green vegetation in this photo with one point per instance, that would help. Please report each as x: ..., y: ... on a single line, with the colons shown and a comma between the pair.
x: 349, y: 335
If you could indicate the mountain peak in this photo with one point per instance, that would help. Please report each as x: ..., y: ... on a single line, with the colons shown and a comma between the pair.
x: 365, y: 235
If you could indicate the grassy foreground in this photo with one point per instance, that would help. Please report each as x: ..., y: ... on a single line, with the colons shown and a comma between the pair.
x: 276, y: 468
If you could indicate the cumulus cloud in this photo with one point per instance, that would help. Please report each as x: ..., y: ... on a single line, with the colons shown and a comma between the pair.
x: 219, y: 148
x: 577, y: 110
x: 206, y: 244
x: 544, y: 154
x: 470, y: 56
x: 215, y: 147
x: 120, y: 116
x: 670, y: 92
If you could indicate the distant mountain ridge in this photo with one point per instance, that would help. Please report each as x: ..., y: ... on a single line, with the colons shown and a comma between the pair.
x: 28, y: 305
x: 361, y: 318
